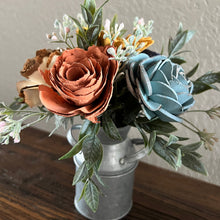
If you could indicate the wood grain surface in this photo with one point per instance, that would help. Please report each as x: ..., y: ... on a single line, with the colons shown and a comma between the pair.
x: 35, y: 185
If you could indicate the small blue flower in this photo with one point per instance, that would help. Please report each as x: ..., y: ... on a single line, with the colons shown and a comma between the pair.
x: 160, y: 86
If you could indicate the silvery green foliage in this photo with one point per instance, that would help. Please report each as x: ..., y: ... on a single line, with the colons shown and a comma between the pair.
x: 120, y: 54
x: 61, y: 121
x: 89, y: 24
x: 66, y: 29
x: 141, y: 29
x: 11, y: 127
x: 160, y: 86
x: 112, y: 33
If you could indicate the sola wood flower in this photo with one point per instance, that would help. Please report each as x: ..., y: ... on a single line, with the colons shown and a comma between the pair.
x: 160, y: 86
x: 141, y: 44
x: 28, y: 89
x: 81, y: 83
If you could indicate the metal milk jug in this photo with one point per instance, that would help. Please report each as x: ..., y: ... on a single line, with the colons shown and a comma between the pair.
x: 117, y: 173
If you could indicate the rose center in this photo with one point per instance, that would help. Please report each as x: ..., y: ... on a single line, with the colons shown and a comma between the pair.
x: 74, y: 73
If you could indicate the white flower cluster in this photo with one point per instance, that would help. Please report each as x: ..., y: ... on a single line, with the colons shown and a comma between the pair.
x: 114, y: 32
x: 141, y: 29
x: 65, y: 30
x: 10, y: 128
x: 130, y: 47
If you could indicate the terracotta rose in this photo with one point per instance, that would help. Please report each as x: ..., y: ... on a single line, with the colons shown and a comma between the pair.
x: 81, y: 83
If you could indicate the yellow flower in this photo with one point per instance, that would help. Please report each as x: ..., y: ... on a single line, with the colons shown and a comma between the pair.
x: 101, y: 41
x: 106, y: 42
x: 146, y: 41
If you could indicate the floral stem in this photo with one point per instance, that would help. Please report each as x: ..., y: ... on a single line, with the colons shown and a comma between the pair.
x: 31, y: 112
x: 34, y: 122
x: 71, y: 43
x: 31, y: 115
x: 68, y: 45
x: 197, y: 111
x: 189, y: 128
x: 191, y: 124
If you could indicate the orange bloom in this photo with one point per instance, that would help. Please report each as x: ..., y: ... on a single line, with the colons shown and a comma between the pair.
x: 146, y: 41
x: 81, y: 83
x: 106, y: 42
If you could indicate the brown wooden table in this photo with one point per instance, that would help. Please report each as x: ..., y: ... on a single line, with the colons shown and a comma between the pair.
x: 35, y: 185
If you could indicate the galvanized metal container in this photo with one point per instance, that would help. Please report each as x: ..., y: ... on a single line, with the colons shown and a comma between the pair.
x: 117, y: 172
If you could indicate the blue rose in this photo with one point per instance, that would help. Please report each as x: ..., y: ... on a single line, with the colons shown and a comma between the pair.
x: 160, y: 86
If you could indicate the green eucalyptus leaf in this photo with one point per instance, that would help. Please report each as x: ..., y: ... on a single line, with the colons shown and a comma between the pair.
x: 98, y: 15
x: 190, y: 34
x: 99, y: 178
x: 189, y: 160
x: 110, y: 128
x: 196, y: 154
x: 17, y: 104
x: 92, y: 33
x: 210, y: 78
x: 179, y: 158
x: 159, y: 125
x: 180, y: 40
x: 80, y: 174
x: 182, y: 51
x: 81, y: 42
x: 193, y: 71
x: 142, y: 132
x: 81, y: 31
x: 89, y: 128
x: 200, y: 87
x: 191, y: 147
x: 182, y: 138
x: 177, y: 43
x: 152, y: 139
x: 172, y: 140
x: 180, y: 29
x: 98, y: 18
x: 92, y: 151
x: 175, y: 146
x: 170, y: 45
x: 83, y: 190
x: 178, y: 60
x: 90, y: 5
x: 87, y: 15
x: 2, y: 105
x: 91, y: 196
x: 163, y: 152
x: 75, y: 149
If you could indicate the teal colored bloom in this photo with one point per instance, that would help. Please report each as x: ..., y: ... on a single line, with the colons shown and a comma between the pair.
x: 160, y: 86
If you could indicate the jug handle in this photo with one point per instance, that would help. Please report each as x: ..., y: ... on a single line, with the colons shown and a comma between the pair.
x: 72, y: 141
x: 131, y: 158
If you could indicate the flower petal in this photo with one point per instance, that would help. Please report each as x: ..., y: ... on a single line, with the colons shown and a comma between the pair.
x: 55, y: 103
x: 166, y: 116
x: 145, y: 81
x: 160, y: 77
x: 163, y: 89
x: 149, y: 114
x: 31, y: 97
x: 169, y: 104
